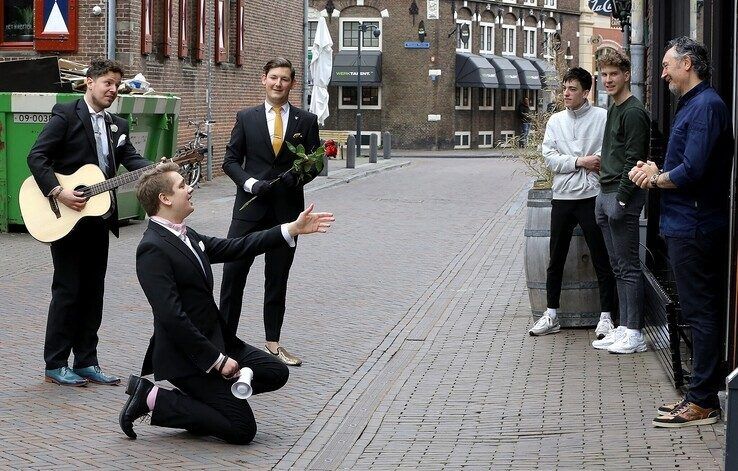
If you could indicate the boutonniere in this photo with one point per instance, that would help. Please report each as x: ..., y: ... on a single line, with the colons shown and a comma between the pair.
x: 202, y: 246
x: 113, y: 128
x: 297, y: 135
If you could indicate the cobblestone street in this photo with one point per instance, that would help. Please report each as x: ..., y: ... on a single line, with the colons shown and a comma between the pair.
x: 411, y: 317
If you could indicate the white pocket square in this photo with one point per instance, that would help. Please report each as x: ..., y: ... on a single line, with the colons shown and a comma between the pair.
x: 202, y: 246
x: 121, y: 140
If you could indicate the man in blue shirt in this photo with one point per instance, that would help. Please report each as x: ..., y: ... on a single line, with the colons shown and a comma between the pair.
x: 695, y: 197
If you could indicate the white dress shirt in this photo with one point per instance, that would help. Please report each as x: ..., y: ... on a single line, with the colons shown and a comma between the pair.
x: 98, y: 122
x: 270, y: 116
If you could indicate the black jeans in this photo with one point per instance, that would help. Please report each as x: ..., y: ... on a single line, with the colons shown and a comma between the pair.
x: 700, y: 267
x: 565, y: 215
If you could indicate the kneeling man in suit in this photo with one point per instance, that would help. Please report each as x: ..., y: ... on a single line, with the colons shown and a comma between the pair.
x: 190, y: 347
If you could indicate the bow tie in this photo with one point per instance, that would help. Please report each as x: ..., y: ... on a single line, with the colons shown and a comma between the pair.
x: 180, y: 229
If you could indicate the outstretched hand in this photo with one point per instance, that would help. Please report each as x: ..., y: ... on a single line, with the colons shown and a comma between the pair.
x: 309, y: 222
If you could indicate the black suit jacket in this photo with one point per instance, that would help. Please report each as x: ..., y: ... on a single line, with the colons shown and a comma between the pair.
x: 189, y: 332
x: 250, y: 154
x: 67, y: 142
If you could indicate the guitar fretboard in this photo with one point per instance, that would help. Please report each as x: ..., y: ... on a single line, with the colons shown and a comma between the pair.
x: 117, y: 181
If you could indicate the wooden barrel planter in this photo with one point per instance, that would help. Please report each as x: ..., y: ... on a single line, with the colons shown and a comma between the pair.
x: 580, y: 301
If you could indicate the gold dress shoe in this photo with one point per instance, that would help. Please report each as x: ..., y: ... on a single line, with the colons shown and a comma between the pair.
x: 286, y: 357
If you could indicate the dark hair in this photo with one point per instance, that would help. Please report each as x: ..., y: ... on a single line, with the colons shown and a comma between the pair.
x: 697, y: 53
x: 153, y: 183
x: 580, y: 75
x: 100, y: 67
x: 278, y: 62
x: 614, y: 58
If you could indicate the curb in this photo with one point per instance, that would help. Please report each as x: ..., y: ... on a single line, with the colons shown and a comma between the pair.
x: 339, y: 179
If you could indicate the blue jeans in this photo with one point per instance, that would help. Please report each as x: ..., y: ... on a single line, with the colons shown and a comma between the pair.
x: 524, y: 130
x: 700, y: 266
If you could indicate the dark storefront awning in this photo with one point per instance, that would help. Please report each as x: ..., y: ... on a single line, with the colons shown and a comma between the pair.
x: 344, y: 72
x: 475, y: 71
x: 530, y: 76
x: 549, y: 76
x: 507, y: 74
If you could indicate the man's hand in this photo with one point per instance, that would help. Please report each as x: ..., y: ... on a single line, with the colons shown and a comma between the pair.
x: 642, y: 172
x: 590, y: 162
x: 288, y: 179
x: 72, y: 199
x: 308, y: 222
x: 260, y: 187
x: 231, y: 369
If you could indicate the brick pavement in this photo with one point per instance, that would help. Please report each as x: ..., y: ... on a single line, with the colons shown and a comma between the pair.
x: 411, y: 317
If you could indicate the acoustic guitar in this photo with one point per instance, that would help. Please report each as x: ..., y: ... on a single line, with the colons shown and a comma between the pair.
x: 47, y: 220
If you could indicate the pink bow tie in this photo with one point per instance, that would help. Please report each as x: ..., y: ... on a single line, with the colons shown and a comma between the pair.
x: 180, y: 229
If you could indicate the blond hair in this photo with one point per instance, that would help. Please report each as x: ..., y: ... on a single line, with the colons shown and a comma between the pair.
x: 153, y: 183
x: 614, y: 58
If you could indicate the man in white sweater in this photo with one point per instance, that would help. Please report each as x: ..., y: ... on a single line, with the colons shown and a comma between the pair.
x: 571, y: 147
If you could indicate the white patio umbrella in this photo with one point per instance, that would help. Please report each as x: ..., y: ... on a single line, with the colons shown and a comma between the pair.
x: 321, y: 66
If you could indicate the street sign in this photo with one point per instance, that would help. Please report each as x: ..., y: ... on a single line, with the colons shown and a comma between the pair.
x: 417, y: 45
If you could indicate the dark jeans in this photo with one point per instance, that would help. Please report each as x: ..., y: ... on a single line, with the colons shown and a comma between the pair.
x: 700, y: 267
x: 565, y: 215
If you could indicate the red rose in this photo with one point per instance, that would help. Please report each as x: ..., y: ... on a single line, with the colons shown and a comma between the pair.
x: 331, y: 150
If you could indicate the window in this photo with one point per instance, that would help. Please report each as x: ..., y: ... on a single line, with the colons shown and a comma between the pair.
x: 508, y: 39
x: 312, y: 31
x: 463, y: 98
x: 529, y: 48
x: 463, y: 36
x: 350, y: 34
x: 486, y: 99
x: 549, y: 3
x: 221, y: 31
x: 200, y: 38
x: 461, y: 140
x: 371, y: 98
x: 548, y: 41
x: 168, y: 30
x: 147, y: 25
x: 240, y: 17
x: 508, y: 100
x: 487, y: 37
x: 486, y: 139
x: 531, y: 3
x: 183, y: 43
x: 17, y: 21
x: 532, y: 98
x: 507, y: 139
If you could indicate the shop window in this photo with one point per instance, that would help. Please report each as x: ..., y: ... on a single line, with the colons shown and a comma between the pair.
x: 487, y: 38
x: 508, y: 39
x: 529, y: 48
x: 18, y: 23
x: 486, y: 139
x: 463, y: 36
x: 486, y: 99
x: 463, y: 98
x: 350, y: 34
x: 508, y: 100
x: 371, y: 98
x: 461, y: 139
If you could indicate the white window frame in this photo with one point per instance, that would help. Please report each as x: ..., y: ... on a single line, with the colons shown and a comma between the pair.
x: 486, y: 135
x: 485, y: 30
x: 509, y: 1
x: 505, y: 98
x: 341, y: 106
x: 531, y: 3
x: 549, y: 3
x: 460, y: 106
x: 548, y: 43
x: 485, y: 92
x: 458, y: 36
x: 505, y: 29
x: 462, y: 134
x: 506, y: 137
x: 341, y: 47
x: 527, y: 30
x: 532, y: 98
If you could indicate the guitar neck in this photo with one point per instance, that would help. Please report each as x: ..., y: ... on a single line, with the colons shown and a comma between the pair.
x: 117, y: 181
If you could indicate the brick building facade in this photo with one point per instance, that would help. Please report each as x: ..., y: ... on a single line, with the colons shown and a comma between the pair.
x: 170, y: 69
x: 408, y: 99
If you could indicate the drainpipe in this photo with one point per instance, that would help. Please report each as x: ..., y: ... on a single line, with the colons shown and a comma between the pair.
x: 112, y: 26
x: 637, y: 50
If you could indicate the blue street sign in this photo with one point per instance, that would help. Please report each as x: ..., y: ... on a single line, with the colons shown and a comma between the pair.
x: 417, y: 45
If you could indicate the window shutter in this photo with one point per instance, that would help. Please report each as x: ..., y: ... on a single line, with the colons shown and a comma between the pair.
x: 220, y: 31
x: 183, y: 48
x: 55, y: 27
x: 147, y: 24
x: 200, y: 38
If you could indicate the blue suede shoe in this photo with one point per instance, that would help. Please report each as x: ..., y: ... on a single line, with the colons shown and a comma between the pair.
x: 64, y: 377
x: 93, y: 374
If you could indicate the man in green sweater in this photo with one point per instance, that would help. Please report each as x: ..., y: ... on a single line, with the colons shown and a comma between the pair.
x: 619, y: 204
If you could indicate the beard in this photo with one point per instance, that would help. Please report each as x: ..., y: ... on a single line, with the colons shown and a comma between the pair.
x: 674, y: 90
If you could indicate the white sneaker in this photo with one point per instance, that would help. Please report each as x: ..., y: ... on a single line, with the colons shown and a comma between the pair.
x: 545, y: 325
x: 632, y: 342
x: 603, y: 328
x: 610, y: 338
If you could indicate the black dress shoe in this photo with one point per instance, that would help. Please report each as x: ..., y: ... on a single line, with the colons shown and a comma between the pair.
x: 136, y: 407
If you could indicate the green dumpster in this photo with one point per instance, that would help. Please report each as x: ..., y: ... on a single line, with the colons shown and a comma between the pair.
x: 153, y: 121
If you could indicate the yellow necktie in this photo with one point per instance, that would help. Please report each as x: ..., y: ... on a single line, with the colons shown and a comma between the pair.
x: 277, y: 141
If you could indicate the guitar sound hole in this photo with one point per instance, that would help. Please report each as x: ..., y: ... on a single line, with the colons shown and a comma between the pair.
x: 84, y: 189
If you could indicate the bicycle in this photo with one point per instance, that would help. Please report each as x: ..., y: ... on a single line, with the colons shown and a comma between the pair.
x: 193, y: 171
